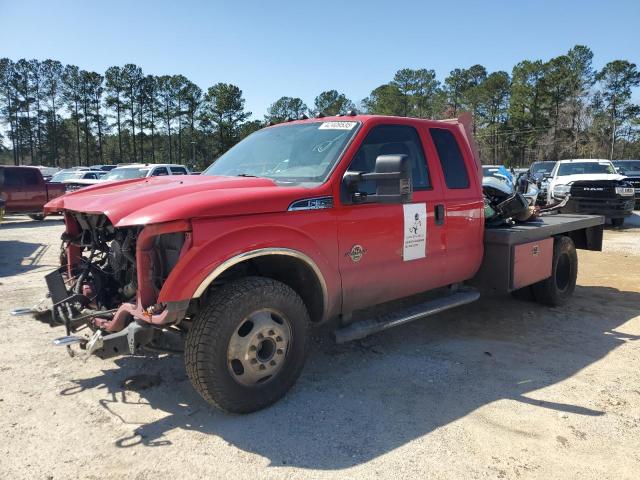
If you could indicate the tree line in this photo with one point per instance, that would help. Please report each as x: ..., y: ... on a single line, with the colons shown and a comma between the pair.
x: 61, y: 115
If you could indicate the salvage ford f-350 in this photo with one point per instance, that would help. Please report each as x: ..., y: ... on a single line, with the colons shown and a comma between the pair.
x: 302, y: 223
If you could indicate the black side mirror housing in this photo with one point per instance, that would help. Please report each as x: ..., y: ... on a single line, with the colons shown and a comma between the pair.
x: 392, y: 175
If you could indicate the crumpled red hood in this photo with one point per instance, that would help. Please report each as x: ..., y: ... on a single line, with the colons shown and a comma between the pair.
x: 163, y: 199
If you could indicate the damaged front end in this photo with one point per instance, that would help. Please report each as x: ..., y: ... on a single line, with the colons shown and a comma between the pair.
x: 109, y: 282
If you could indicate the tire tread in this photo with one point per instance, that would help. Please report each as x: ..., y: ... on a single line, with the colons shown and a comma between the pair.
x: 203, y: 345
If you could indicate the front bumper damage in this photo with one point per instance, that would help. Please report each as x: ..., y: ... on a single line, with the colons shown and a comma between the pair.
x: 115, y: 329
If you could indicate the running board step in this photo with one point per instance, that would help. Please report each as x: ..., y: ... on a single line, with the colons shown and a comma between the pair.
x: 385, y: 321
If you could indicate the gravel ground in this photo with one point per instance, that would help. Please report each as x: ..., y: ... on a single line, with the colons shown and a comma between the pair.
x: 497, y: 389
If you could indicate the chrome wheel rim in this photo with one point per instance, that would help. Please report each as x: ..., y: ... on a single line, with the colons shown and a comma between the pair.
x: 258, y: 347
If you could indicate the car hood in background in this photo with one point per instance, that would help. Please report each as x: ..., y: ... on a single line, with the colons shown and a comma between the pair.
x: 564, y: 179
x: 82, y: 181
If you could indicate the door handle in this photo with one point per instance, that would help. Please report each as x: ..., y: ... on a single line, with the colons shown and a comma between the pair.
x: 439, y: 214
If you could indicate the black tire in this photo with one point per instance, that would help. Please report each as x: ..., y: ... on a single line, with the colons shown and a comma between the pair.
x: 36, y: 216
x: 557, y: 289
x: 209, y: 343
x: 617, y: 222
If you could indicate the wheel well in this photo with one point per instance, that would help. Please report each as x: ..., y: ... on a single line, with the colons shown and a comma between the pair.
x: 291, y: 271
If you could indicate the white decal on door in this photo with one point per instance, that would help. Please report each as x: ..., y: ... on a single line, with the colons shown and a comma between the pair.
x: 415, y: 231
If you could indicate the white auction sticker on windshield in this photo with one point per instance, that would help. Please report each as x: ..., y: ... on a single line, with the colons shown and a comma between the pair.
x: 337, y: 125
x: 415, y: 231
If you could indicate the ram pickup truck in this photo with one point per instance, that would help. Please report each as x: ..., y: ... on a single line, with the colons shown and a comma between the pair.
x: 322, y: 221
x: 594, y: 187
x: 24, y: 190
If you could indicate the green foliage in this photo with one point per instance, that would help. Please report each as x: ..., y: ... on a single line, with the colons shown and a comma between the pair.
x: 223, y: 111
x: 286, y: 108
x: 613, y: 102
x: 331, y: 102
x: 560, y: 108
x: 411, y: 93
x: 384, y: 100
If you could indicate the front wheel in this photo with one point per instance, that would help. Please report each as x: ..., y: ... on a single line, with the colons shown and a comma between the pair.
x: 36, y: 216
x: 248, y: 345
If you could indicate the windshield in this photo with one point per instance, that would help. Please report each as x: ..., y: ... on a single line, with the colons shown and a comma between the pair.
x: 542, y: 167
x: 125, y: 173
x: 628, y: 165
x: 63, y: 175
x: 579, y: 168
x: 290, y: 153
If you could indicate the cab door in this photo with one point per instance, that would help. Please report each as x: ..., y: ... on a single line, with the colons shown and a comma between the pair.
x: 389, y: 251
x: 462, y: 218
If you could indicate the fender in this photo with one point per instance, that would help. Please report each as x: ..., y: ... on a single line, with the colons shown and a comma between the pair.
x: 308, y: 237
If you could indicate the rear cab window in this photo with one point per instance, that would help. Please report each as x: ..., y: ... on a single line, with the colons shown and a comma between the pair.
x: 454, y: 167
x: 178, y: 170
x: 19, y: 177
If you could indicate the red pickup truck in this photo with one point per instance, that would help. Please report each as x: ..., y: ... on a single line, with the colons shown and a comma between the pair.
x: 304, y: 223
x: 24, y: 190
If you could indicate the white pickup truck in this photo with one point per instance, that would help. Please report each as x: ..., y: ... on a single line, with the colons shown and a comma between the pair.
x: 595, y: 188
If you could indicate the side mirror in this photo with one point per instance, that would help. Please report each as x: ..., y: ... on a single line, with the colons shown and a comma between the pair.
x: 392, y: 176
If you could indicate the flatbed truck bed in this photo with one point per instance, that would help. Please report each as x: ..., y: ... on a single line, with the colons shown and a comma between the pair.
x: 519, y: 255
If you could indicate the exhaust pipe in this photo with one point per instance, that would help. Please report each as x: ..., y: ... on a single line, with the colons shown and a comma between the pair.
x: 68, y: 340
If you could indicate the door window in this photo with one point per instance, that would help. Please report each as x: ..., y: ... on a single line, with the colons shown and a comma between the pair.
x: 160, y: 171
x: 178, y: 170
x: 391, y: 140
x: 451, y: 159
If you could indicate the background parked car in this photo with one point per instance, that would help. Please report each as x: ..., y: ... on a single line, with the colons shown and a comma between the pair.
x: 595, y: 188
x: 631, y: 170
x: 47, y: 172
x: 104, y: 168
x: 539, y: 172
x: 76, y: 172
x: 137, y: 170
x: 24, y: 191
x: 72, y: 184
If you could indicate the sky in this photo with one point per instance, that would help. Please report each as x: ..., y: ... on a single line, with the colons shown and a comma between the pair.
x: 300, y: 48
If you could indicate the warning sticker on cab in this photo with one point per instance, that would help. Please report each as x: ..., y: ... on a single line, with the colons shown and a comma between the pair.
x: 415, y: 231
x: 337, y: 125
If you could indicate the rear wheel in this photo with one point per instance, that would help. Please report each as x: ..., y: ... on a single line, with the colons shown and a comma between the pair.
x: 248, y: 346
x: 617, y: 222
x: 36, y: 216
x: 557, y: 289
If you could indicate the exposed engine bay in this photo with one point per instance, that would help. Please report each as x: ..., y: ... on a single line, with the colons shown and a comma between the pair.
x: 97, y: 285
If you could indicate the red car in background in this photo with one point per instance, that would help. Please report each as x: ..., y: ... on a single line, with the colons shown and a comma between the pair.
x: 24, y: 190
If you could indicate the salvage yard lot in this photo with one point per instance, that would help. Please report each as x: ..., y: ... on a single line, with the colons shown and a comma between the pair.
x: 496, y: 389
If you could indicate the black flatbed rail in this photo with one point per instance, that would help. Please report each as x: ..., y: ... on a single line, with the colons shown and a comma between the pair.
x: 545, y: 227
x: 497, y: 271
